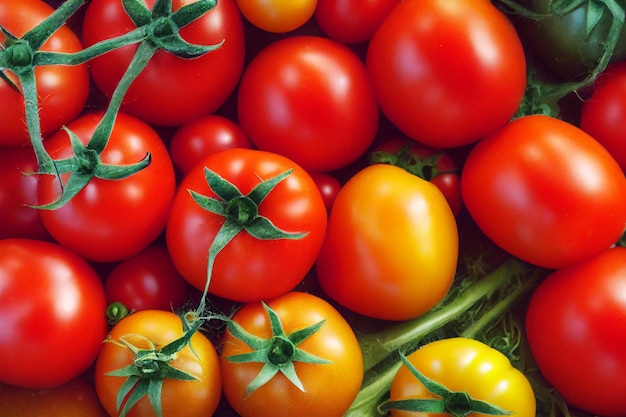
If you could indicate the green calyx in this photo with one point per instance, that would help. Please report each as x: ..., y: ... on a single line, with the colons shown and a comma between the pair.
x: 277, y: 353
x: 116, y: 311
x: 425, y: 168
x: 454, y: 403
x: 144, y: 377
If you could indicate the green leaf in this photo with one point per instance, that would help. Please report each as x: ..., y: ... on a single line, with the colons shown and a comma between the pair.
x: 155, y: 387
x: 139, y: 391
x: 138, y: 12
x: 125, y: 389
x: 262, y: 190
x: 263, y: 229
x: 192, y: 11
x: 223, y: 188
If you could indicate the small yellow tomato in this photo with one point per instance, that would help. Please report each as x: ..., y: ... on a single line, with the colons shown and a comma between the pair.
x: 465, y: 365
x: 277, y: 16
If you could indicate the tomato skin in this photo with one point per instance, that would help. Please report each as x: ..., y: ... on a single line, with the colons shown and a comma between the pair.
x: 432, y: 77
x: 603, y: 114
x: 391, y: 246
x: 76, y: 398
x: 161, y: 95
x: 462, y: 364
x: 195, y: 398
x: 577, y: 314
x: 108, y: 220
x: 272, y: 267
x: 328, y: 185
x: 199, y: 138
x: 146, y: 281
x: 335, y: 341
x: 62, y: 89
x: 352, y: 21
x: 18, y: 189
x: 277, y: 16
x: 52, y: 312
x: 286, y: 92
x: 545, y: 191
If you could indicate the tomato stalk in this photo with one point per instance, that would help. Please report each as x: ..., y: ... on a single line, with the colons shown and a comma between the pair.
x: 468, y: 310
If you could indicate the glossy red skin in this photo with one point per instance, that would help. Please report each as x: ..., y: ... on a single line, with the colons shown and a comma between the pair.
x: 146, y: 281
x: 545, y: 191
x: 447, y: 74
x: 574, y: 325
x: 18, y: 189
x: 109, y: 221
x: 328, y: 185
x: 199, y: 138
x: 308, y: 98
x: 170, y: 91
x: 248, y: 269
x: 52, y: 314
x: 352, y: 21
x: 62, y: 89
x: 603, y: 115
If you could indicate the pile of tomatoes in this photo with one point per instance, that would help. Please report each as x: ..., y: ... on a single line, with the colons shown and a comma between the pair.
x: 205, y: 205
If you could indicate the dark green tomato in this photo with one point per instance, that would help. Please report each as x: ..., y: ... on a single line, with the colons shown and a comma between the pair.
x: 563, y: 43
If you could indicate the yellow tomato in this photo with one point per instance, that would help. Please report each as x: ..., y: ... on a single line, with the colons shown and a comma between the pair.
x: 466, y: 365
x: 391, y: 247
x: 277, y: 16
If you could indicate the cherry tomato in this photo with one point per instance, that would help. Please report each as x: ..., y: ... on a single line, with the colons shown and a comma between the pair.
x: 334, y: 342
x: 545, y: 191
x: 271, y: 267
x: 277, y: 16
x: 308, y: 98
x: 147, y: 329
x: 447, y: 73
x: 52, y: 314
x: 352, y: 21
x: 328, y: 185
x: 603, y: 115
x: 465, y: 365
x: 146, y: 281
x: 112, y: 220
x: 391, y: 247
x: 201, y: 137
x: 575, y: 316
x: 170, y: 91
x: 62, y: 89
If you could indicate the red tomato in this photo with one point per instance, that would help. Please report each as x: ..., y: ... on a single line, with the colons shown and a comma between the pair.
x: 18, y: 189
x: 112, y: 220
x: 334, y: 341
x: 199, y: 138
x: 52, y: 314
x: 170, y: 90
x: 62, y: 89
x: 545, y: 191
x: 76, y: 398
x: 447, y: 73
x: 146, y: 281
x: 603, y: 116
x: 328, y: 185
x: 247, y: 268
x: 352, y: 21
x: 308, y: 98
x: 577, y: 316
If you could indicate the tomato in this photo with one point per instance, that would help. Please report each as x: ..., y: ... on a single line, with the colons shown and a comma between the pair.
x: 18, y: 190
x: 76, y: 398
x: 433, y: 165
x: 309, y: 99
x: 277, y: 16
x: 545, y: 191
x: 52, y: 314
x: 146, y: 281
x: 352, y: 21
x: 147, y: 329
x: 62, y: 89
x: 112, y: 220
x: 272, y: 267
x: 391, y: 247
x: 201, y: 137
x: 465, y: 365
x: 447, y: 74
x: 333, y: 342
x: 328, y: 185
x: 576, y: 314
x: 170, y: 91
x: 603, y: 114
